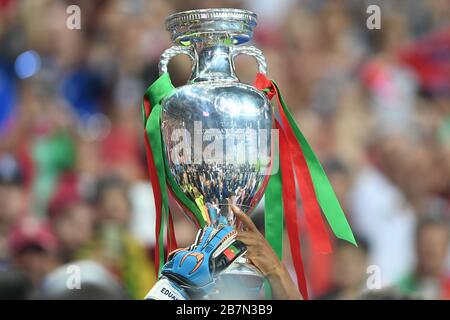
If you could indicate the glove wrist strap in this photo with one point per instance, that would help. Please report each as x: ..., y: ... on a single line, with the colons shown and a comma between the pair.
x: 165, y: 289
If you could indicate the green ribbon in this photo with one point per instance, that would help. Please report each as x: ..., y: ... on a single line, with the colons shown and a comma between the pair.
x: 155, y: 93
x: 273, y: 216
x: 160, y: 89
x: 273, y: 219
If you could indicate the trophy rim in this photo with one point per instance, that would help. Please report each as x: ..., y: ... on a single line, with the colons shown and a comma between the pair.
x: 212, y: 20
x: 197, y: 15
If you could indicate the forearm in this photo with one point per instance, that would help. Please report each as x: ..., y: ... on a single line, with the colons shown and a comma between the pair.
x: 283, y: 288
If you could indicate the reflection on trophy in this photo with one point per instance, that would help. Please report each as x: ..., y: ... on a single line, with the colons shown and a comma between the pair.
x: 216, y: 131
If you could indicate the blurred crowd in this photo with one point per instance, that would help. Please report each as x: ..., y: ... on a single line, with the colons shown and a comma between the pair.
x: 74, y: 190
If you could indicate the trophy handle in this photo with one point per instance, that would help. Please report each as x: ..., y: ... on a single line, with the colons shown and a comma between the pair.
x: 254, y: 52
x: 173, y: 51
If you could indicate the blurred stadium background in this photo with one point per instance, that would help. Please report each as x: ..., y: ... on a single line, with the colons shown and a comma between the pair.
x: 375, y: 105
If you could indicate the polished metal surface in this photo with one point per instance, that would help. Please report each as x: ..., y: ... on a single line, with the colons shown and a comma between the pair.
x: 190, y: 26
x: 216, y: 130
x: 234, y: 119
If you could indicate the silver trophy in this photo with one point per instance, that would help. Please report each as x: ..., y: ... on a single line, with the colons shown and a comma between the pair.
x: 216, y: 130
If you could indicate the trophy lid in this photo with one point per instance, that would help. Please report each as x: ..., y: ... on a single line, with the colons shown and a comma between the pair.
x: 195, y: 25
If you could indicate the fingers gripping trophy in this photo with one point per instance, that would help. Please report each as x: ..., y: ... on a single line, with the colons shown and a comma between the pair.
x: 211, y: 147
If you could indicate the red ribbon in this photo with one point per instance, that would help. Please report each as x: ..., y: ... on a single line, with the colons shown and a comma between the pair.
x: 290, y: 210
x: 314, y: 220
x: 155, y: 186
x: 171, y: 239
x: 292, y: 161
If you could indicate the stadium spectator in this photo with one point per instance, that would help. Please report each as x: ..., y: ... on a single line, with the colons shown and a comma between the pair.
x: 430, y: 279
x: 349, y: 271
x: 112, y: 244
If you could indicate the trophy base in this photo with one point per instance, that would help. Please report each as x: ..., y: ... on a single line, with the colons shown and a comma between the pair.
x: 241, y: 280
